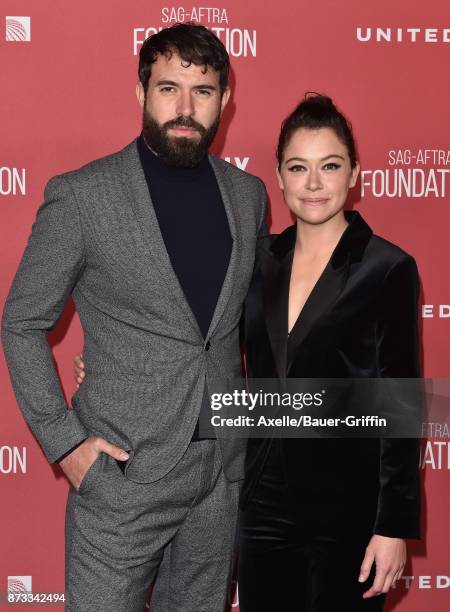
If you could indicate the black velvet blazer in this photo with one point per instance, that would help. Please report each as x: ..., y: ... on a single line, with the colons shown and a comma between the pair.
x: 361, y: 320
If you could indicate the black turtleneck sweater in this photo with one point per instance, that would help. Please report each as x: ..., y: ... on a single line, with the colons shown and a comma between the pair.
x: 194, y: 226
x: 195, y: 230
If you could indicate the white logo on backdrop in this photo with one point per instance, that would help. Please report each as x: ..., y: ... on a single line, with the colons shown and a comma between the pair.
x: 438, y: 311
x: 435, y: 455
x: 400, y: 35
x: 411, y: 174
x: 19, y: 584
x: 12, y: 181
x: 18, y: 29
x: 239, y: 162
x: 239, y: 42
x: 201, y: 13
x: 424, y: 582
x: 13, y: 460
x: 433, y: 429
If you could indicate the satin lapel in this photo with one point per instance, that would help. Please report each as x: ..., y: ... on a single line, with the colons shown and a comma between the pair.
x: 230, y: 203
x: 276, y: 275
x: 321, y: 299
x: 151, y: 233
x: 276, y: 268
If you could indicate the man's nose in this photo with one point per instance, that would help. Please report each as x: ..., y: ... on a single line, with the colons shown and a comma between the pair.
x: 185, y: 104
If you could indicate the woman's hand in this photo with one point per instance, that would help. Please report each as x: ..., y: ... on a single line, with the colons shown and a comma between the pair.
x: 78, y: 368
x: 389, y: 555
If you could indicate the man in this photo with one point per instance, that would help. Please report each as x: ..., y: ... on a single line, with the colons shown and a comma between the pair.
x: 156, y: 244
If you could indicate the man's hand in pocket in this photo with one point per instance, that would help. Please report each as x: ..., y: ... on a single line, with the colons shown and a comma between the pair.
x: 76, y: 464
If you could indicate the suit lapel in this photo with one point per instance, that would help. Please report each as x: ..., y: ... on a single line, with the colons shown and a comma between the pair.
x: 230, y: 203
x: 323, y: 296
x: 276, y: 268
x: 151, y: 234
x: 276, y: 272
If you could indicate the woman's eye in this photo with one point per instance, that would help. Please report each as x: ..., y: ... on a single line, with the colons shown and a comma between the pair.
x: 331, y: 166
x: 296, y: 168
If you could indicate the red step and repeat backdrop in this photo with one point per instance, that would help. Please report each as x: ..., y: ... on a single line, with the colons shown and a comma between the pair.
x: 68, y: 73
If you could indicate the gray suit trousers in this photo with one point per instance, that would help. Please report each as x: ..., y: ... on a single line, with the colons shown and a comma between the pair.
x: 119, y: 531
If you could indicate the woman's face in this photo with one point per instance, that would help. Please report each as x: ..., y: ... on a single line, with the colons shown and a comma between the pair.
x: 316, y: 174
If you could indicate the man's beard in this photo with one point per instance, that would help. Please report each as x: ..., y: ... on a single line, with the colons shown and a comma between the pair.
x: 180, y: 151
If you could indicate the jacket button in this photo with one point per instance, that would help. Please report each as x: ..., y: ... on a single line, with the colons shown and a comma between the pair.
x: 207, y: 346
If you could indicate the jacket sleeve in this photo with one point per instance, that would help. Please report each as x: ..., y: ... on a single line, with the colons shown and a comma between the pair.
x: 50, y: 266
x: 262, y: 231
x: 398, y: 513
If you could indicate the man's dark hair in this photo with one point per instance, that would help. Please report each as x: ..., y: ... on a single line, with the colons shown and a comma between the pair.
x: 316, y: 111
x: 194, y: 43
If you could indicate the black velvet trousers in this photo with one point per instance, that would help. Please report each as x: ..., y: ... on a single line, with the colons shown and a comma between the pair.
x: 284, y: 567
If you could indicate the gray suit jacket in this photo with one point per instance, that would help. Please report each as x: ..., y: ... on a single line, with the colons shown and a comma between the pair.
x: 97, y: 237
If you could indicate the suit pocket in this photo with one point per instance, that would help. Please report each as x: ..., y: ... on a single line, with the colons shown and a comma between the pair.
x: 89, y: 475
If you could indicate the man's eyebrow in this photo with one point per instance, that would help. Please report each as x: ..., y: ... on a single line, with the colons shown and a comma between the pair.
x: 305, y: 160
x: 174, y: 84
x: 165, y: 82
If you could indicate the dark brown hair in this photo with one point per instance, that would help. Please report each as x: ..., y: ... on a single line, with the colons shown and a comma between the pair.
x: 194, y: 43
x: 317, y: 111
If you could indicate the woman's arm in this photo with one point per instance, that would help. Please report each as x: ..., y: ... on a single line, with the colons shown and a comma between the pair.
x: 398, y: 512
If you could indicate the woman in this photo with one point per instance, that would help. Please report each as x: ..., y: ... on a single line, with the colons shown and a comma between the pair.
x: 328, y: 300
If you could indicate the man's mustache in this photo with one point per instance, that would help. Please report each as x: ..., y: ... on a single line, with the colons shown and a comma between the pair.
x: 187, y: 122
